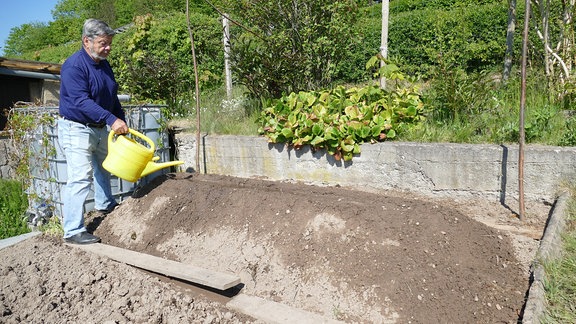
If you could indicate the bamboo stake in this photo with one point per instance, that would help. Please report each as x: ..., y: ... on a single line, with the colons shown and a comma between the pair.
x: 522, y: 108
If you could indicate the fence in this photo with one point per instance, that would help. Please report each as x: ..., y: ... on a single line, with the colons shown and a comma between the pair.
x: 48, y: 163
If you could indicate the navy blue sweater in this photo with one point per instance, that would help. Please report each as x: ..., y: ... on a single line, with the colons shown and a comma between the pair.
x: 88, y: 91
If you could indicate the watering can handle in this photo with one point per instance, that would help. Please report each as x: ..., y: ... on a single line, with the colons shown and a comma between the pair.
x: 135, y: 133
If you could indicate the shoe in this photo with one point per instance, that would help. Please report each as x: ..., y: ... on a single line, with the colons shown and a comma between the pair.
x: 82, y: 238
x: 107, y: 211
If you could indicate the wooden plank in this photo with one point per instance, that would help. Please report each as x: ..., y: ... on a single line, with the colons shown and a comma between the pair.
x: 174, y: 269
x: 43, y: 67
x: 275, y: 313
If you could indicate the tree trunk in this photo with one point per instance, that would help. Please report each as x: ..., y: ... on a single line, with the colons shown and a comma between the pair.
x: 568, y: 32
x: 227, y: 72
x: 384, y: 38
x: 545, y: 14
x: 509, y: 40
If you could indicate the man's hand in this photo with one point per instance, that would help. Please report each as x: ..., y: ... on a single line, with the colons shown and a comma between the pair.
x: 119, y: 127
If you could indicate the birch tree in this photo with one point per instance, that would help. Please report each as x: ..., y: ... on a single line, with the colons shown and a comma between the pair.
x: 508, y: 59
x: 557, y: 48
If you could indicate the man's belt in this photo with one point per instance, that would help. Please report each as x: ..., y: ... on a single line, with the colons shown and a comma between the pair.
x: 95, y: 125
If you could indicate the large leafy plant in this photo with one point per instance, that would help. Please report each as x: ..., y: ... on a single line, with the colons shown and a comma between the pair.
x: 340, y: 119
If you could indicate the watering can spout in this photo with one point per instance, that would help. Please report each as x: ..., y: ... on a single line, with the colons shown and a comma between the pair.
x: 152, y: 166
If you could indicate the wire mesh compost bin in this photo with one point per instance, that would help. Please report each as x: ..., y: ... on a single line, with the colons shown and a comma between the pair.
x: 48, y: 163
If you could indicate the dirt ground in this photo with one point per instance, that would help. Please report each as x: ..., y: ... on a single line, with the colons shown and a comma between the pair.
x: 358, y: 257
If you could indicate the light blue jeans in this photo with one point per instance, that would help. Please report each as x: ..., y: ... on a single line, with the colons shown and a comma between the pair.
x: 85, y: 149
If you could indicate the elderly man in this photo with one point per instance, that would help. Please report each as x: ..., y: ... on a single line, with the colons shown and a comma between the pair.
x: 89, y: 108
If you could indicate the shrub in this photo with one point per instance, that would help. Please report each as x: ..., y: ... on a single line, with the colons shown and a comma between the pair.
x: 153, y: 59
x: 340, y: 119
x: 467, y: 37
x: 364, y: 46
x: 293, y: 45
x: 410, y: 5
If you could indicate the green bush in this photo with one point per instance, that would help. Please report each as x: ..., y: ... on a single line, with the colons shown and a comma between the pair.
x: 410, y: 5
x: 13, y: 205
x: 56, y: 54
x: 153, y: 59
x: 292, y: 46
x: 467, y: 37
x: 340, y: 119
x: 478, y: 108
x: 366, y: 44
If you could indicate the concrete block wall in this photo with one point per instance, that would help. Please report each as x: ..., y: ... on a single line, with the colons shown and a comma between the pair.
x: 51, y: 92
x: 7, y: 166
x: 433, y: 169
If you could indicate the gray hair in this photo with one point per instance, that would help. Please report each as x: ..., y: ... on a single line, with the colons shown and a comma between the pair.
x: 94, y: 27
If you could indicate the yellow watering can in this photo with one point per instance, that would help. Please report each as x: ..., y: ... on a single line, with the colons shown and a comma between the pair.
x: 130, y: 160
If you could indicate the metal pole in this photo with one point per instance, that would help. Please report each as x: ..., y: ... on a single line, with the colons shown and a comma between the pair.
x: 522, y: 138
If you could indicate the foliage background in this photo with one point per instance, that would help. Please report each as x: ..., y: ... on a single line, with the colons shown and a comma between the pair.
x: 322, y: 44
x: 454, y: 48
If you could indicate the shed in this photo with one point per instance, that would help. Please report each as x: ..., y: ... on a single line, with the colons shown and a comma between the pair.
x: 29, y: 82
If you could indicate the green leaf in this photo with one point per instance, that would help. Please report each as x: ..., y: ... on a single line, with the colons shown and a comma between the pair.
x: 306, y: 139
x: 317, y: 129
x: 293, y: 119
x: 347, y: 147
x: 317, y: 141
x: 376, y: 130
x: 287, y: 133
x: 273, y: 137
x: 348, y: 156
x: 411, y: 111
x: 355, y: 125
x: 310, y: 100
x: 388, y: 70
x: 372, y: 62
x: 364, y: 132
x: 352, y: 111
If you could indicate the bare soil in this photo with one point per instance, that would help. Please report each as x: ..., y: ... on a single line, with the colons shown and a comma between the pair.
x: 358, y: 257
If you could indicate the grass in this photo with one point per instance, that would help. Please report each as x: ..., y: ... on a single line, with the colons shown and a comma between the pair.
x: 482, y: 111
x: 13, y: 218
x: 560, y: 284
x: 488, y: 112
x: 13, y: 205
x: 222, y: 116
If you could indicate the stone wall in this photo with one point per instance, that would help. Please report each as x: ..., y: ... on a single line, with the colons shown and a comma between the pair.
x: 435, y: 169
x: 51, y: 93
x: 450, y: 170
x: 7, y: 166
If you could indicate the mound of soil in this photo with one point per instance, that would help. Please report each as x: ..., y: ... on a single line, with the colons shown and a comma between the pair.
x: 349, y: 255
